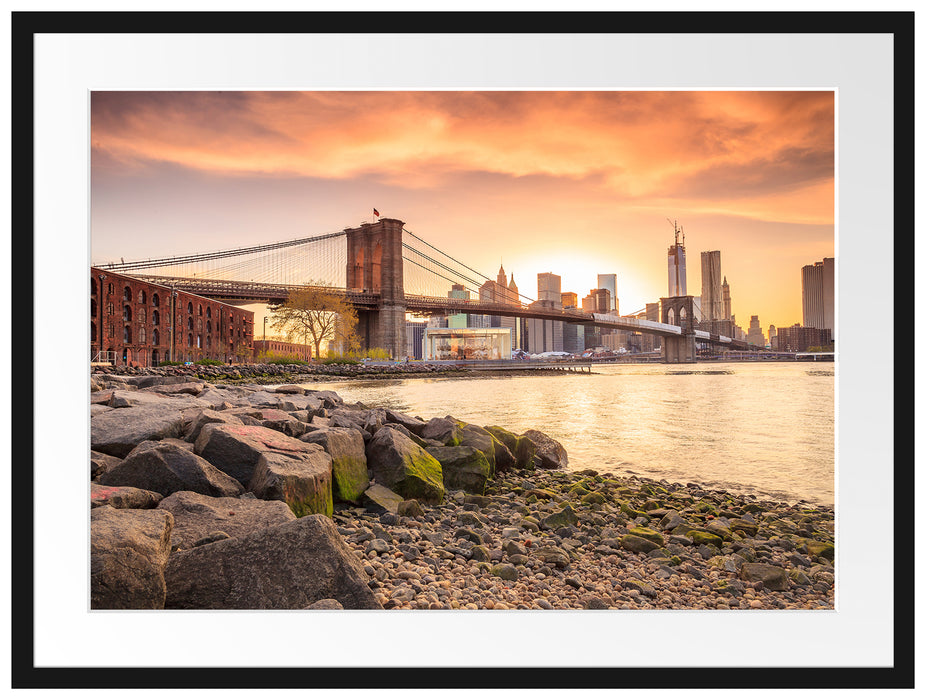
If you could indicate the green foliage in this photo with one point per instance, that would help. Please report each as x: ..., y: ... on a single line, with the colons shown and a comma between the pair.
x: 208, y: 361
x: 273, y: 358
x: 169, y: 363
x: 354, y: 357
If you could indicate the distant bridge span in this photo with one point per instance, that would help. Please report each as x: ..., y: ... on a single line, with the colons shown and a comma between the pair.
x: 259, y: 292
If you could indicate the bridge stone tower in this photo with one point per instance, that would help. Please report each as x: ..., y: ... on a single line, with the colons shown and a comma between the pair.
x: 374, y: 265
x: 679, y: 311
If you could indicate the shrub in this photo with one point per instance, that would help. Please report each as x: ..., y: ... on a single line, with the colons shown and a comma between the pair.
x: 207, y: 361
x: 169, y: 363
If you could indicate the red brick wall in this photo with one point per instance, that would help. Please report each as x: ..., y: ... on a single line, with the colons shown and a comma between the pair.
x: 133, y: 319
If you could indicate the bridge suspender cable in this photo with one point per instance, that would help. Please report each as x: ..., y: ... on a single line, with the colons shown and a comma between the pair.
x: 200, y: 257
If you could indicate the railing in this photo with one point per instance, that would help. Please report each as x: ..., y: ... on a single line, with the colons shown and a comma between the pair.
x: 104, y: 356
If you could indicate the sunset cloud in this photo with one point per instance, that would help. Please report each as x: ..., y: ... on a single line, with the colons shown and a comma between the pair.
x: 606, y: 167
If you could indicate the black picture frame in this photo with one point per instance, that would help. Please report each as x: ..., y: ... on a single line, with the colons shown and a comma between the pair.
x: 26, y: 26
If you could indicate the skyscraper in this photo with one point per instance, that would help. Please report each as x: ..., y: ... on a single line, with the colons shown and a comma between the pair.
x: 711, y: 286
x: 754, y: 334
x: 727, y: 304
x: 678, y: 280
x: 818, y: 286
x: 609, y: 282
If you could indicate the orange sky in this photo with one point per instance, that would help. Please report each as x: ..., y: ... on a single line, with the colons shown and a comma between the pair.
x: 576, y: 183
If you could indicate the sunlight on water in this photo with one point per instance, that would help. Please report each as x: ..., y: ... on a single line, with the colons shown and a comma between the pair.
x: 763, y: 428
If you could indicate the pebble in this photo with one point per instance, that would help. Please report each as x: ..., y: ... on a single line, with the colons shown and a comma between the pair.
x: 415, y: 570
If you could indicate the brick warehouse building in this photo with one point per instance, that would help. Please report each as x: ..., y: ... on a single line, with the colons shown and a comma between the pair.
x: 130, y: 320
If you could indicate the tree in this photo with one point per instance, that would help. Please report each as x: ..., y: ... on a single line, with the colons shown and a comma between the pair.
x: 318, y: 313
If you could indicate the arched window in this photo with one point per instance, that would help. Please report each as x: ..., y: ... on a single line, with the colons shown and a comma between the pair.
x: 199, y: 325
x: 142, y: 315
x: 92, y: 285
x: 126, y: 313
x: 670, y: 317
x: 141, y: 335
x: 127, y: 334
x: 209, y: 312
x: 155, y: 337
x: 208, y: 326
x: 110, y: 289
x: 93, y: 307
x: 199, y: 341
x: 155, y: 300
x: 682, y: 314
x: 156, y: 318
x: 200, y: 309
x: 127, y: 294
x: 189, y: 323
x: 142, y: 297
x: 189, y: 308
x: 110, y: 309
x: 189, y: 339
x: 154, y: 358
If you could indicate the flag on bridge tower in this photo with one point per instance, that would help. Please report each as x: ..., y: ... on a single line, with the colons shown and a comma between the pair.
x: 375, y: 213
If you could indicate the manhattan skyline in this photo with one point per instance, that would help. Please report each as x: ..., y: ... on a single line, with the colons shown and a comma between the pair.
x: 574, y: 183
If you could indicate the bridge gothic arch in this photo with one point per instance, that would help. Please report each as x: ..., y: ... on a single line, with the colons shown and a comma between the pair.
x: 374, y: 264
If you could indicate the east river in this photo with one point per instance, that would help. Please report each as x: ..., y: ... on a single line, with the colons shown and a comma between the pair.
x: 766, y: 429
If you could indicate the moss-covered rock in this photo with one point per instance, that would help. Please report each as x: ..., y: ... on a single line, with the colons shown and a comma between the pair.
x: 404, y: 467
x: 561, y: 518
x: 648, y: 534
x: 463, y: 468
x: 821, y: 549
x: 704, y: 537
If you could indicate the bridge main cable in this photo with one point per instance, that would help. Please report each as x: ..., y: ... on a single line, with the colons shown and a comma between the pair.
x: 216, y: 255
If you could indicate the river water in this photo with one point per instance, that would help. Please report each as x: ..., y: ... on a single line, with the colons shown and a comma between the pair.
x: 762, y: 428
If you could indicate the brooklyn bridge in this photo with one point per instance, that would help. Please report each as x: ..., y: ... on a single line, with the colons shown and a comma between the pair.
x: 386, y: 271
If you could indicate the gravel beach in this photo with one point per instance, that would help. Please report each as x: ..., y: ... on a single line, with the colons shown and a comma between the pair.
x: 214, y: 495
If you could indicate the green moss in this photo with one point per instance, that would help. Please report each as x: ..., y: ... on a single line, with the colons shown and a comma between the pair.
x: 648, y: 534
x: 702, y: 537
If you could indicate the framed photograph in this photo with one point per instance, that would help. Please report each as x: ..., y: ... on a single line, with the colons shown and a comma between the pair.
x: 204, y: 165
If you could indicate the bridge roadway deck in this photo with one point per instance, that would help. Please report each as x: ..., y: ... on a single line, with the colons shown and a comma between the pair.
x: 261, y: 292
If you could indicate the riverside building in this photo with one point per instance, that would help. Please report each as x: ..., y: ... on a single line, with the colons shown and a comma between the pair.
x: 141, y: 324
x: 818, y: 291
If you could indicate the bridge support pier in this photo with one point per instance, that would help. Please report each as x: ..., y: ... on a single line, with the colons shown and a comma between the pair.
x: 679, y: 311
x: 679, y: 349
x: 374, y: 264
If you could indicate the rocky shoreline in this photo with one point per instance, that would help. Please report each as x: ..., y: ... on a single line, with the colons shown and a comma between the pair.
x: 304, y: 374
x: 218, y: 496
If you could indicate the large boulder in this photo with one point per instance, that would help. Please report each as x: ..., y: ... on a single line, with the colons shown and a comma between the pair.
x: 179, y: 402
x: 166, y: 468
x: 482, y: 440
x: 284, y: 567
x: 348, y: 460
x: 101, y: 463
x: 464, y: 468
x: 549, y: 453
x: 382, y: 498
x: 191, y: 388
x: 445, y: 430
x: 118, y: 432
x: 404, y: 467
x: 520, y: 448
x: 416, y: 425
x: 128, y: 553
x: 235, y: 449
x: 205, y: 417
x: 301, y: 480
x: 197, y: 516
x: 122, y: 497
